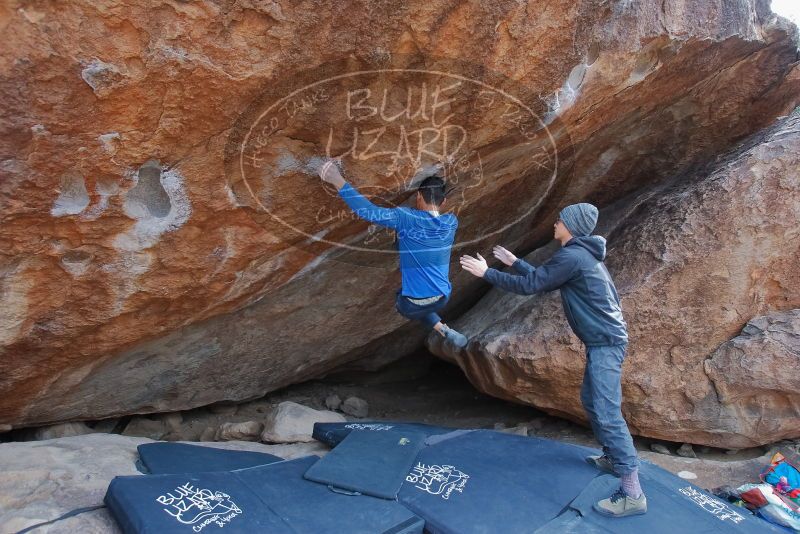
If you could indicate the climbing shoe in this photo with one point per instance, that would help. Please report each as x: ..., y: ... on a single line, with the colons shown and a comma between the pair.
x: 621, y: 505
x: 458, y: 339
x: 603, y: 463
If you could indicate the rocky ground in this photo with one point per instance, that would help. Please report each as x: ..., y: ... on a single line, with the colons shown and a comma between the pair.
x: 50, y: 470
x: 418, y: 388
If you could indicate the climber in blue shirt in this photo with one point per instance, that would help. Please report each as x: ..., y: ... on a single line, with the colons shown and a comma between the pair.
x: 425, y: 237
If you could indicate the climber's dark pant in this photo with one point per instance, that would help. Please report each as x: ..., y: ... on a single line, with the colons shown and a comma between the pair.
x: 425, y: 314
x: 601, y: 396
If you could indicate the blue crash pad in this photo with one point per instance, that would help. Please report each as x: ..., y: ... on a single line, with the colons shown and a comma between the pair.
x: 174, y: 458
x: 673, y: 505
x: 485, y: 482
x: 489, y: 482
x: 371, y: 463
x: 272, y: 498
x: 312, y: 508
x: 185, y: 503
x: 332, y: 434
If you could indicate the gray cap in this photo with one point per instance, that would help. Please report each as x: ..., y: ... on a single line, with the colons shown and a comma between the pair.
x: 580, y: 219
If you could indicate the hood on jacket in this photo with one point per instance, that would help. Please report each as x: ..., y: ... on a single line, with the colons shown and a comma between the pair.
x: 593, y: 243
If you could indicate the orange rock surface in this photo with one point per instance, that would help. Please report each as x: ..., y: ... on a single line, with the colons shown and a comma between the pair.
x: 144, y: 267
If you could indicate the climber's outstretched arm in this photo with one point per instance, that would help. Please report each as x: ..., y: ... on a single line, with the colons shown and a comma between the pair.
x: 360, y: 205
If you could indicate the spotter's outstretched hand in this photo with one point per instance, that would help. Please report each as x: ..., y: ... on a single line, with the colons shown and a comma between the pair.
x: 476, y: 266
x: 504, y: 255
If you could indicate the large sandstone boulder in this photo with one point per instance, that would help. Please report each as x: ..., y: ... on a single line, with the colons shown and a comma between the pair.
x: 693, y: 263
x: 157, y: 257
x: 758, y: 371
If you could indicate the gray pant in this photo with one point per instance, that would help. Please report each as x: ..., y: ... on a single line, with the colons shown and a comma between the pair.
x: 601, y: 396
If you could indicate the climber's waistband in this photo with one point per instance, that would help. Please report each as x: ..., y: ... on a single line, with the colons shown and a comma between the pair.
x: 424, y: 301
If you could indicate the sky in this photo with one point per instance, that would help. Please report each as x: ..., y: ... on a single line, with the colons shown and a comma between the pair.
x: 787, y: 8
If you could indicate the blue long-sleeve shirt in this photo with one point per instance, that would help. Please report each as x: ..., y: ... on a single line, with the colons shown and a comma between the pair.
x: 424, y: 242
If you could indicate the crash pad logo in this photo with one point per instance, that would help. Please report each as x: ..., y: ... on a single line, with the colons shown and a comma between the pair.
x: 720, y: 510
x: 199, y: 507
x: 368, y: 426
x: 438, y: 479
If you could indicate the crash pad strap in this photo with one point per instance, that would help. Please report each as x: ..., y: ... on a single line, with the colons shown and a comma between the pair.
x: 67, y: 515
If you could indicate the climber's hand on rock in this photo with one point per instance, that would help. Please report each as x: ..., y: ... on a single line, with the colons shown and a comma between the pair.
x: 329, y: 172
x: 504, y: 255
x: 476, y: 266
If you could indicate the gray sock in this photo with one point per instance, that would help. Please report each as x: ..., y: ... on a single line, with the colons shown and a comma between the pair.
x: 630, y: 484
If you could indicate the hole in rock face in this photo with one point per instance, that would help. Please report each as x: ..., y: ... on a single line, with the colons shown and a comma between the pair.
x: 652, y: 56
x: 576, y: 75
x: 76, y: 262
x: 73, y: 197
x: 148, y: 198
x: 593, y: 53
x: 76, y: 256
x: 645, y: 63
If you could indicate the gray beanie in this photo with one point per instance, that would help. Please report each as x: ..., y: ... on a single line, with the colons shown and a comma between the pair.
x: 580, y: 219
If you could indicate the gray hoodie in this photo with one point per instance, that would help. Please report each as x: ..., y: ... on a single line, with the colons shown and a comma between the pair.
x: 588, y: 295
